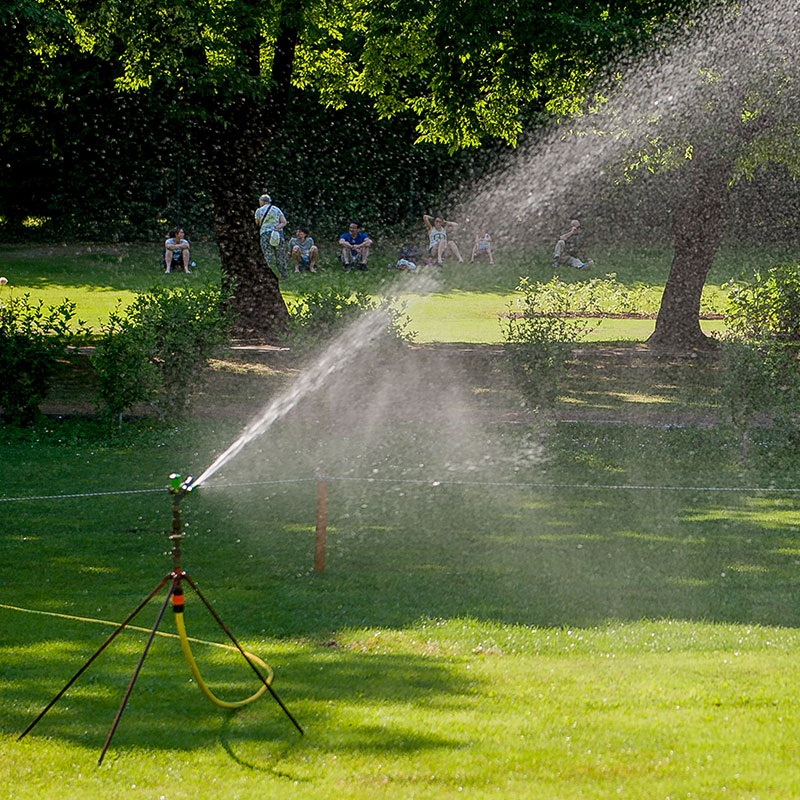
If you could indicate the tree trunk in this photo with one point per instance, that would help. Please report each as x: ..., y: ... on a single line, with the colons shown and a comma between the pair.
x: 697, y: 228
x: 232, y: 136
x: 230, y: 157
x: 257, y: 301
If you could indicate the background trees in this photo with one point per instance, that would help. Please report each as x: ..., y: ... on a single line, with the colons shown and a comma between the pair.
x: 226, y: 75
x: 735, y: 78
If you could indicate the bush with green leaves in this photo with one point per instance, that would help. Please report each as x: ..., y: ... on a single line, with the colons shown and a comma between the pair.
x: 766, y: 306
x: 537, y: 346
x: 33, y: 338
x: 602, y: 296
x: 316, y: 316
x: 154, y: 350
x: 758, y: 380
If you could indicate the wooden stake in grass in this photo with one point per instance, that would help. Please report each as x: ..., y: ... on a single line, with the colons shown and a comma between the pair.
x: 322, y: 522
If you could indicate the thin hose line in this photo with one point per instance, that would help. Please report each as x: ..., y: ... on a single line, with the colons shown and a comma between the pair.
x: 185, y: 640
x: 95, y: 621
x: 435, y: 482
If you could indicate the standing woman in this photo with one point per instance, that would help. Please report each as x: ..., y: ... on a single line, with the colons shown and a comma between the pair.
x: 271, y: 223
x: 438, y: 243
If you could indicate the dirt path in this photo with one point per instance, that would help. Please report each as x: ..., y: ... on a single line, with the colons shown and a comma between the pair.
x: 613, y: 384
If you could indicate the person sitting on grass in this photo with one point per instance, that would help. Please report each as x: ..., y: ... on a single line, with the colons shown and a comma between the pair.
x: 570, y: 250
x: 438, y: 243
x: 355, y: 246
x: 176, y: 251
x: 303, y: 251
x: 482, y: 246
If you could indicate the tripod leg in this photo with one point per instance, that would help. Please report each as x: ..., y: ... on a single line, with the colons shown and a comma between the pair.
x: 239, y: 648
x: 136, y: 672
x: 102, y: 647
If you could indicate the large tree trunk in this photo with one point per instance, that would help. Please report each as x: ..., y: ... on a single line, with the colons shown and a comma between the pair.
x: 232, y: 136
x: 697, y: 227
x: 257, y: 301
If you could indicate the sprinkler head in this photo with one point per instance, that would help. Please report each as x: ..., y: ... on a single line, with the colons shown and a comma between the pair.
x: 177, y: 486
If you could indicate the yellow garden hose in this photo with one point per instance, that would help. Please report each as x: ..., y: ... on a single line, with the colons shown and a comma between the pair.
x: 185, y: 646
x: 177, y: 605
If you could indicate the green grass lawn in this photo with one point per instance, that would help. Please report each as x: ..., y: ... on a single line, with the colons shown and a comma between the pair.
x: 530, y: 609
x: 466, y: 307
x: 570, y: 635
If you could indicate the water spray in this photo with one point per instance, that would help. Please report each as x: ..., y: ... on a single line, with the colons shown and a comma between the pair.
x: 178, y: 489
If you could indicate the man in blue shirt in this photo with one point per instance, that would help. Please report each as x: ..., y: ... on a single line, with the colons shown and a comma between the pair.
x: 355, y: 246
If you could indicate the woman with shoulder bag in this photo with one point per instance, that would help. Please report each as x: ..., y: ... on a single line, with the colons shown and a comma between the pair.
x: 271, y: 223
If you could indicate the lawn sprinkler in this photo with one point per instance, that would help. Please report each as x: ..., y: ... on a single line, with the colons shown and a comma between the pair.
x: 178, y: 489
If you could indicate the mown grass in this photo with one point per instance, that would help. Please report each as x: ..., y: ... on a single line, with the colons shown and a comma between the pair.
x: 566, y: 635
x: 466, y: 307
x: 557, y: 609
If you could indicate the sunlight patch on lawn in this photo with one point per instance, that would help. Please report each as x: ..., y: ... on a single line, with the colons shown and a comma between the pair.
x: 645, y: 537
x: 746, y: 568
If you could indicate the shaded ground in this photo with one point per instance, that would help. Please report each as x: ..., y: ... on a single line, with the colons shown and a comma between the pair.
x: 630, y: 383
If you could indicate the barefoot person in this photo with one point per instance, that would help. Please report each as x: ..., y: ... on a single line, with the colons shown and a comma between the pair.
x: 482, y: 246
x: 570, y: 250
x: 439, y: 245
x: 176, y: 251
x: 303, y: 251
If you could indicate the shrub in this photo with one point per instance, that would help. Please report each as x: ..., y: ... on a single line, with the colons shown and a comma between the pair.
x: 598, y: 296
x: 758, y: 379
x: 154, y: 350
x: 766, y: 306
x: 33, y: 338
x: 536, y: 346
x: 316, y: 316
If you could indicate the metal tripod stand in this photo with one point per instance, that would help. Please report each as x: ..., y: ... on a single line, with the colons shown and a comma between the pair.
x: 175, y: 578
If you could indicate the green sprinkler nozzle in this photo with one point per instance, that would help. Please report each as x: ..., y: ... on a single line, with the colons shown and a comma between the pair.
x: 179, y: 486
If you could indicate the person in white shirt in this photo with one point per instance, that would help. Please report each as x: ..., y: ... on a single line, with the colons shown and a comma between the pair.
x: 438, y: 243
x: 176, y: 251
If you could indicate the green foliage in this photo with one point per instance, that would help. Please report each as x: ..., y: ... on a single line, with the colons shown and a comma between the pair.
x: 760, y: 378
x: 33, y: 337
x: 746, y: 387
x: 537, y: 346
x: 316, y: 316
x: 760, y: 370
x: 595, y: 296
x: 466, y: 72
x: 155, y: 349
x: 766, y: 306
x: 598, y: 296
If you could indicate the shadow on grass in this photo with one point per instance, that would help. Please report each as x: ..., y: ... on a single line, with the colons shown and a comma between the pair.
x: 166, y: 711
x: 631, y: 381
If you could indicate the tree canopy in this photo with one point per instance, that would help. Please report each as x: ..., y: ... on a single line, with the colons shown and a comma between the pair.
x: 723, y: 110
x: 468, y: 70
